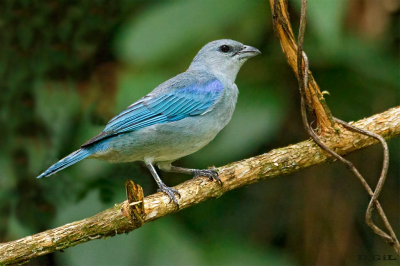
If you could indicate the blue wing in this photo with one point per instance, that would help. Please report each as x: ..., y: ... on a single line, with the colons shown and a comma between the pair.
x: 173, y: 106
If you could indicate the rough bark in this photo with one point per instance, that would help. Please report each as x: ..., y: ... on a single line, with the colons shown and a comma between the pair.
x: 274, y: 163
x: 312, y: 101
x: 315, y: 99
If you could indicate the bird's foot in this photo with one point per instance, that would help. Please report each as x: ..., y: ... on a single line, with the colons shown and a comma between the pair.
x: 170, y: 192
x: 210, y: 173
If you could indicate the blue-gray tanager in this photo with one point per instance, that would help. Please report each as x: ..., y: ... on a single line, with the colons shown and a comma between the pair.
x: 177, y: 118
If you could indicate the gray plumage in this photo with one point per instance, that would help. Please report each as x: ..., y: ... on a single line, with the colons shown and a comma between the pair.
x: 177, y: 118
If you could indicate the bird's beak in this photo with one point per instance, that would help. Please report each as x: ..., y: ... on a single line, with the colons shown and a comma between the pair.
x: 248, y: 51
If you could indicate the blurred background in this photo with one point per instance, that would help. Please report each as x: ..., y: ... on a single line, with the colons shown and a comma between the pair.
x: 67, y: 67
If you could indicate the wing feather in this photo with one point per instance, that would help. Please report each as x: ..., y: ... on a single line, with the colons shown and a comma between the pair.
x: 169, y: 107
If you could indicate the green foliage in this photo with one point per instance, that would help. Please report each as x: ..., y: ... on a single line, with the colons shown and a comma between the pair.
x: 68, y: 66
x: 147, y: 40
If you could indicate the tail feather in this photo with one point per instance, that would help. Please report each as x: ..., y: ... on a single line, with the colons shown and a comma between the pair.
x: 69, y: 160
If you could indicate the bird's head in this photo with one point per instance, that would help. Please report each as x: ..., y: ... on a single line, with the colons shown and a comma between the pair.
x: 223, y: 58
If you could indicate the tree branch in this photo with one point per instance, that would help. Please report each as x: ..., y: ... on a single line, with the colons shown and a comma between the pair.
x: 314, y: 98
x: 274, y: 163
x: 284, y: 32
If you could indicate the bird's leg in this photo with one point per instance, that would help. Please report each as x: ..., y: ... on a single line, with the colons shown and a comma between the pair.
x: 163, y: 187
x: 210, y: 173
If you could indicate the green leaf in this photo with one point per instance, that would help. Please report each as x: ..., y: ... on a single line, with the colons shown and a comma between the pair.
x: 152, y: 36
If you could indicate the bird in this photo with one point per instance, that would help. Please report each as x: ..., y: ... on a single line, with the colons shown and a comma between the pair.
x: 179, y: 117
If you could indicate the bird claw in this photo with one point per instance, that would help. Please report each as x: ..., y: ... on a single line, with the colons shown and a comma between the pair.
x: 170, y: 192
x: 210, y: 173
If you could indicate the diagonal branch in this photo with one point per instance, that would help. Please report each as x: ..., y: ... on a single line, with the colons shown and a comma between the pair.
x: 274, y: 163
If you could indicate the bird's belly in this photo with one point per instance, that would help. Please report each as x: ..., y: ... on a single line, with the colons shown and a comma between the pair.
x: 162, y: 142
x: 169, y: 141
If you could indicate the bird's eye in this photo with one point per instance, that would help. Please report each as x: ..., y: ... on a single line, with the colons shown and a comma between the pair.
x: 224, y: 48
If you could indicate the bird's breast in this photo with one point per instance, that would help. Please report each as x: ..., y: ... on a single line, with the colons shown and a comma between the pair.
x: 224, y: 108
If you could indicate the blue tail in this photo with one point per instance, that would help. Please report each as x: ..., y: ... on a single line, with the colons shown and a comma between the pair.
x: 71, y: 159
